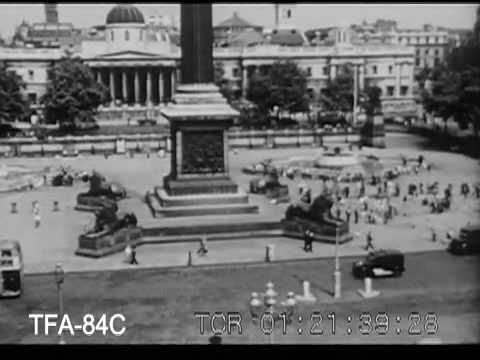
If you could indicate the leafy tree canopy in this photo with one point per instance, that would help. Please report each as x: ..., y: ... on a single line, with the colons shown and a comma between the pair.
x: 13, y: 105
x: 284, y: 85
x: 73, y: 94
x: 338, y: 95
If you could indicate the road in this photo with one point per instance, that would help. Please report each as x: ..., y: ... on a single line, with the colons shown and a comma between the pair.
x: 159, y: 305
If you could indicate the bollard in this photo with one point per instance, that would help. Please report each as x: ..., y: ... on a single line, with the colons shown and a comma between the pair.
x: 13, y: 209
x: 269, y: 253
x: 55, y: 206
x: 368, y: 291
x: 189, y: 263
x: 307, y: 296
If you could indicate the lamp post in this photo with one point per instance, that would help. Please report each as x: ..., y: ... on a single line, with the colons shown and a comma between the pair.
x: 59, y: 278
x: 269, y: 300
x: 337, y: 275
x: 355, y: 93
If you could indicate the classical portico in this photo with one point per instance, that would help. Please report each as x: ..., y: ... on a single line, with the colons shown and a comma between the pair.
x: 138, y: 69
x: 137, y: 83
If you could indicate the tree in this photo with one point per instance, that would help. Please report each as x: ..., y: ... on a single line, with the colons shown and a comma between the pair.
x: 338, y: 95
x: 13, y: 105
x: 73, y: 95
x: 371, y: 100
x: 283, y: 87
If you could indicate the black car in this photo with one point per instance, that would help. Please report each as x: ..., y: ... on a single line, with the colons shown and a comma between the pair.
x: 467, y: 242
x: 380, y: 263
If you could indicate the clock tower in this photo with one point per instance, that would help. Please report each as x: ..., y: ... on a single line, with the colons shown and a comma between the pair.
x: 284, y: 16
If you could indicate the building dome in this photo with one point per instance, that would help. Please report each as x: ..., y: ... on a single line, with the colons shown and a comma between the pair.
x: 122, y: 14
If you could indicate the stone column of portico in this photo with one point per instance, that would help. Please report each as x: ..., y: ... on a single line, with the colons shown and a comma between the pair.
x: 333, y: 71
x: 411, y: 78
x: 148, y: 99
x: 112, y: 86
x: 137, y: 87
x: 361, y: 77
x: 172, y: 74
x: 160, y: 86
x: 124, y: 86
x: 244, y: 81
x: 397, y: 79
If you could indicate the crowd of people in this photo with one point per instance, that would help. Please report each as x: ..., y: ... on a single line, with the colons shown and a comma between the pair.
x: 378, y: 207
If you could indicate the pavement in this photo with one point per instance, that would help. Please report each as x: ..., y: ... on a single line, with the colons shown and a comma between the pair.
x: 56, y: 240
x: 159, y: 304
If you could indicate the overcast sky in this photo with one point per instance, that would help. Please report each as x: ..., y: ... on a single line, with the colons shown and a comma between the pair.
x: 306, y: 15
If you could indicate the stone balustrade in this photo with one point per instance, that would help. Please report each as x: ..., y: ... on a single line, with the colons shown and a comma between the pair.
x: 99, y: 144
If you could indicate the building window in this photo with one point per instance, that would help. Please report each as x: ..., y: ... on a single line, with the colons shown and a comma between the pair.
x: 427, y: 51
x: 374, y: 69
x: 111, y: 35
x: 417, y: 61
x: 436, y: 52
x: 403, y: 90
x: 127, y: 35
x: 390, y: 90
x: 309, y: 71
x: 30, y: 74
x: 437, y: 61
x: 390, y: 69
x: 325, y: 70
x: 235, y: 72
x: 427, y: 39
x: 436, y: 40
x: 417, y: 51
x: 32, y: 98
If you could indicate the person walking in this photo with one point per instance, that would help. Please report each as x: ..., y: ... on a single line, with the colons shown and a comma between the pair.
x: 369, y: 241
x: 308, y: 240
x: 133, y: 259
x: 203, y: 247
x: 434, y: 235
x: 355, y: 216
x: 347, y: 215
x: 36, y: 215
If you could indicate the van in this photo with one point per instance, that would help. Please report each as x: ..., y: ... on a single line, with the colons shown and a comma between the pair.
x: 467, y: 242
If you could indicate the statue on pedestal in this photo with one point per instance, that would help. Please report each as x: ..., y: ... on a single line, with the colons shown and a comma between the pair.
x: 316, y: 217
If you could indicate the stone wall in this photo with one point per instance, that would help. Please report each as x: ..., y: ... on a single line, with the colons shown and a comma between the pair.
x: 155, y: 142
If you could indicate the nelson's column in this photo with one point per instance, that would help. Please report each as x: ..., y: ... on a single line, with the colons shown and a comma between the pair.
x: 199, y: 181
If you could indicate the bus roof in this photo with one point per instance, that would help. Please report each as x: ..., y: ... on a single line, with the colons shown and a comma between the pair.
x: 9, y: 244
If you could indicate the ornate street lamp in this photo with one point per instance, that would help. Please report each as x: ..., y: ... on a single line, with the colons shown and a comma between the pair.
x: 255, y: 306
x: 290, y: 305
x: 337, y: 275
x: 59, y: 279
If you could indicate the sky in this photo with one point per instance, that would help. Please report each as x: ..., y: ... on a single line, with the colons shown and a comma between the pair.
x: 306, y: 15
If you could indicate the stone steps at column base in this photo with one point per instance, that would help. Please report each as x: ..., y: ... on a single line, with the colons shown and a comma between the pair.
x: 200, y: 206
x: 209, y: 199
x: 203, y: 210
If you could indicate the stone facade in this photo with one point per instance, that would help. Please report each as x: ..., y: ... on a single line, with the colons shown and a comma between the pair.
x: 142, y: 72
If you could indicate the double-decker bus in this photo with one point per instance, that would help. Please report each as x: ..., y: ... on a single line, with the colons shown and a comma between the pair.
x: 11, y: 268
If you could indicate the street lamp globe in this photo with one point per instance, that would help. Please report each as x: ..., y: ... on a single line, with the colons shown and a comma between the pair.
x: 255, y: 306
x: 59, y: 274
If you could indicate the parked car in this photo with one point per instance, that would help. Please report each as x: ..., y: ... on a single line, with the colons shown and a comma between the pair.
x: 380, y: 263
x: 11, y: 269
x: 467, y: 242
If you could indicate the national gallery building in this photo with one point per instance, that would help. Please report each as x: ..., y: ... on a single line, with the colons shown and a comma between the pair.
x: 141, y: 68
